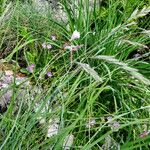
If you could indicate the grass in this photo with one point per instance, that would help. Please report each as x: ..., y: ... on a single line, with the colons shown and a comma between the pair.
x: 103, y: 79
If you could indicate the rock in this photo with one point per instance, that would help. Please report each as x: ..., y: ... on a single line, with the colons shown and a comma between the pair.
x: 7, y: 79
x: 43, y: 6
x: 68, y: 142
x: 5, y: 100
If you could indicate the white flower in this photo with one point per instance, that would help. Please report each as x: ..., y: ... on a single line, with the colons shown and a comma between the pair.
x: 68, y: 142
x: 68, y: 47
x: 53, y: 37
x: 109, y: 119
x: 44, y: 45
x: 49, y: 46
x: 75, y: 35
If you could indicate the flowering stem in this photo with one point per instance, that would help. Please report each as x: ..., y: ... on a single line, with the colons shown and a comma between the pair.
x: 71, y: 57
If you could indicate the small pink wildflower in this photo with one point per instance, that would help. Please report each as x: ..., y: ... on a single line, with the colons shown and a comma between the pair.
x: 113, y: 124
x: 144, y: 134
x: 31, y: 68
x: 49, y: 46
x: 53, y: 37
x: 75, y: 35
x: 75, y: 48
x: 44, y: 45
x: 49, y: 74
x: 72, y: 47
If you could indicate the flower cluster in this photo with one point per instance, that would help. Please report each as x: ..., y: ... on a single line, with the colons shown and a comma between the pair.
x: 72, y: 48
x: 144, y: 134
x: 30, y: 68
x: 113, y: 124
x: 53, y: 37
x: 47, y: 46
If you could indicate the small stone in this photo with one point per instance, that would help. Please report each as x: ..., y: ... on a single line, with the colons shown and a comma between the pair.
x: 52, y: 128
x: 68, y: 142
x: 8, y: 73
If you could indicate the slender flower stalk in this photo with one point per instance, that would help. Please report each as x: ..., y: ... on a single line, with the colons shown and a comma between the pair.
x: 72, y: 49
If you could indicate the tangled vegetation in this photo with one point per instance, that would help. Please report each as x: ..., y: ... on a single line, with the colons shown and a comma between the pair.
x: 88, y: 76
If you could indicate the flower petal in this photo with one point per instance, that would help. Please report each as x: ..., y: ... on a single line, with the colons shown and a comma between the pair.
x: 75, y: 35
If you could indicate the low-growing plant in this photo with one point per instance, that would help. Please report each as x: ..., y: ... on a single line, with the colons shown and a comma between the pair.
x: 88, y: 77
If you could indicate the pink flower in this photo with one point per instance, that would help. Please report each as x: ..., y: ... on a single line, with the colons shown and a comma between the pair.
x: 72, y: 47
x: 31, y: 68
x: 49, y: 46
x: 113, y: 124
x: 75, y: 48
x: 144, y: 134
x: 53, y: 37
x: 44, y: 45
x: 49, y: 74
x: 75, y: 35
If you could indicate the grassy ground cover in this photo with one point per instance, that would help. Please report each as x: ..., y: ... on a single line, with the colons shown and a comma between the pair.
x: 90, y: 73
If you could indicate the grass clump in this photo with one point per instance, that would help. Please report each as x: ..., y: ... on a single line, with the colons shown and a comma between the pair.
x: 88, y: 76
